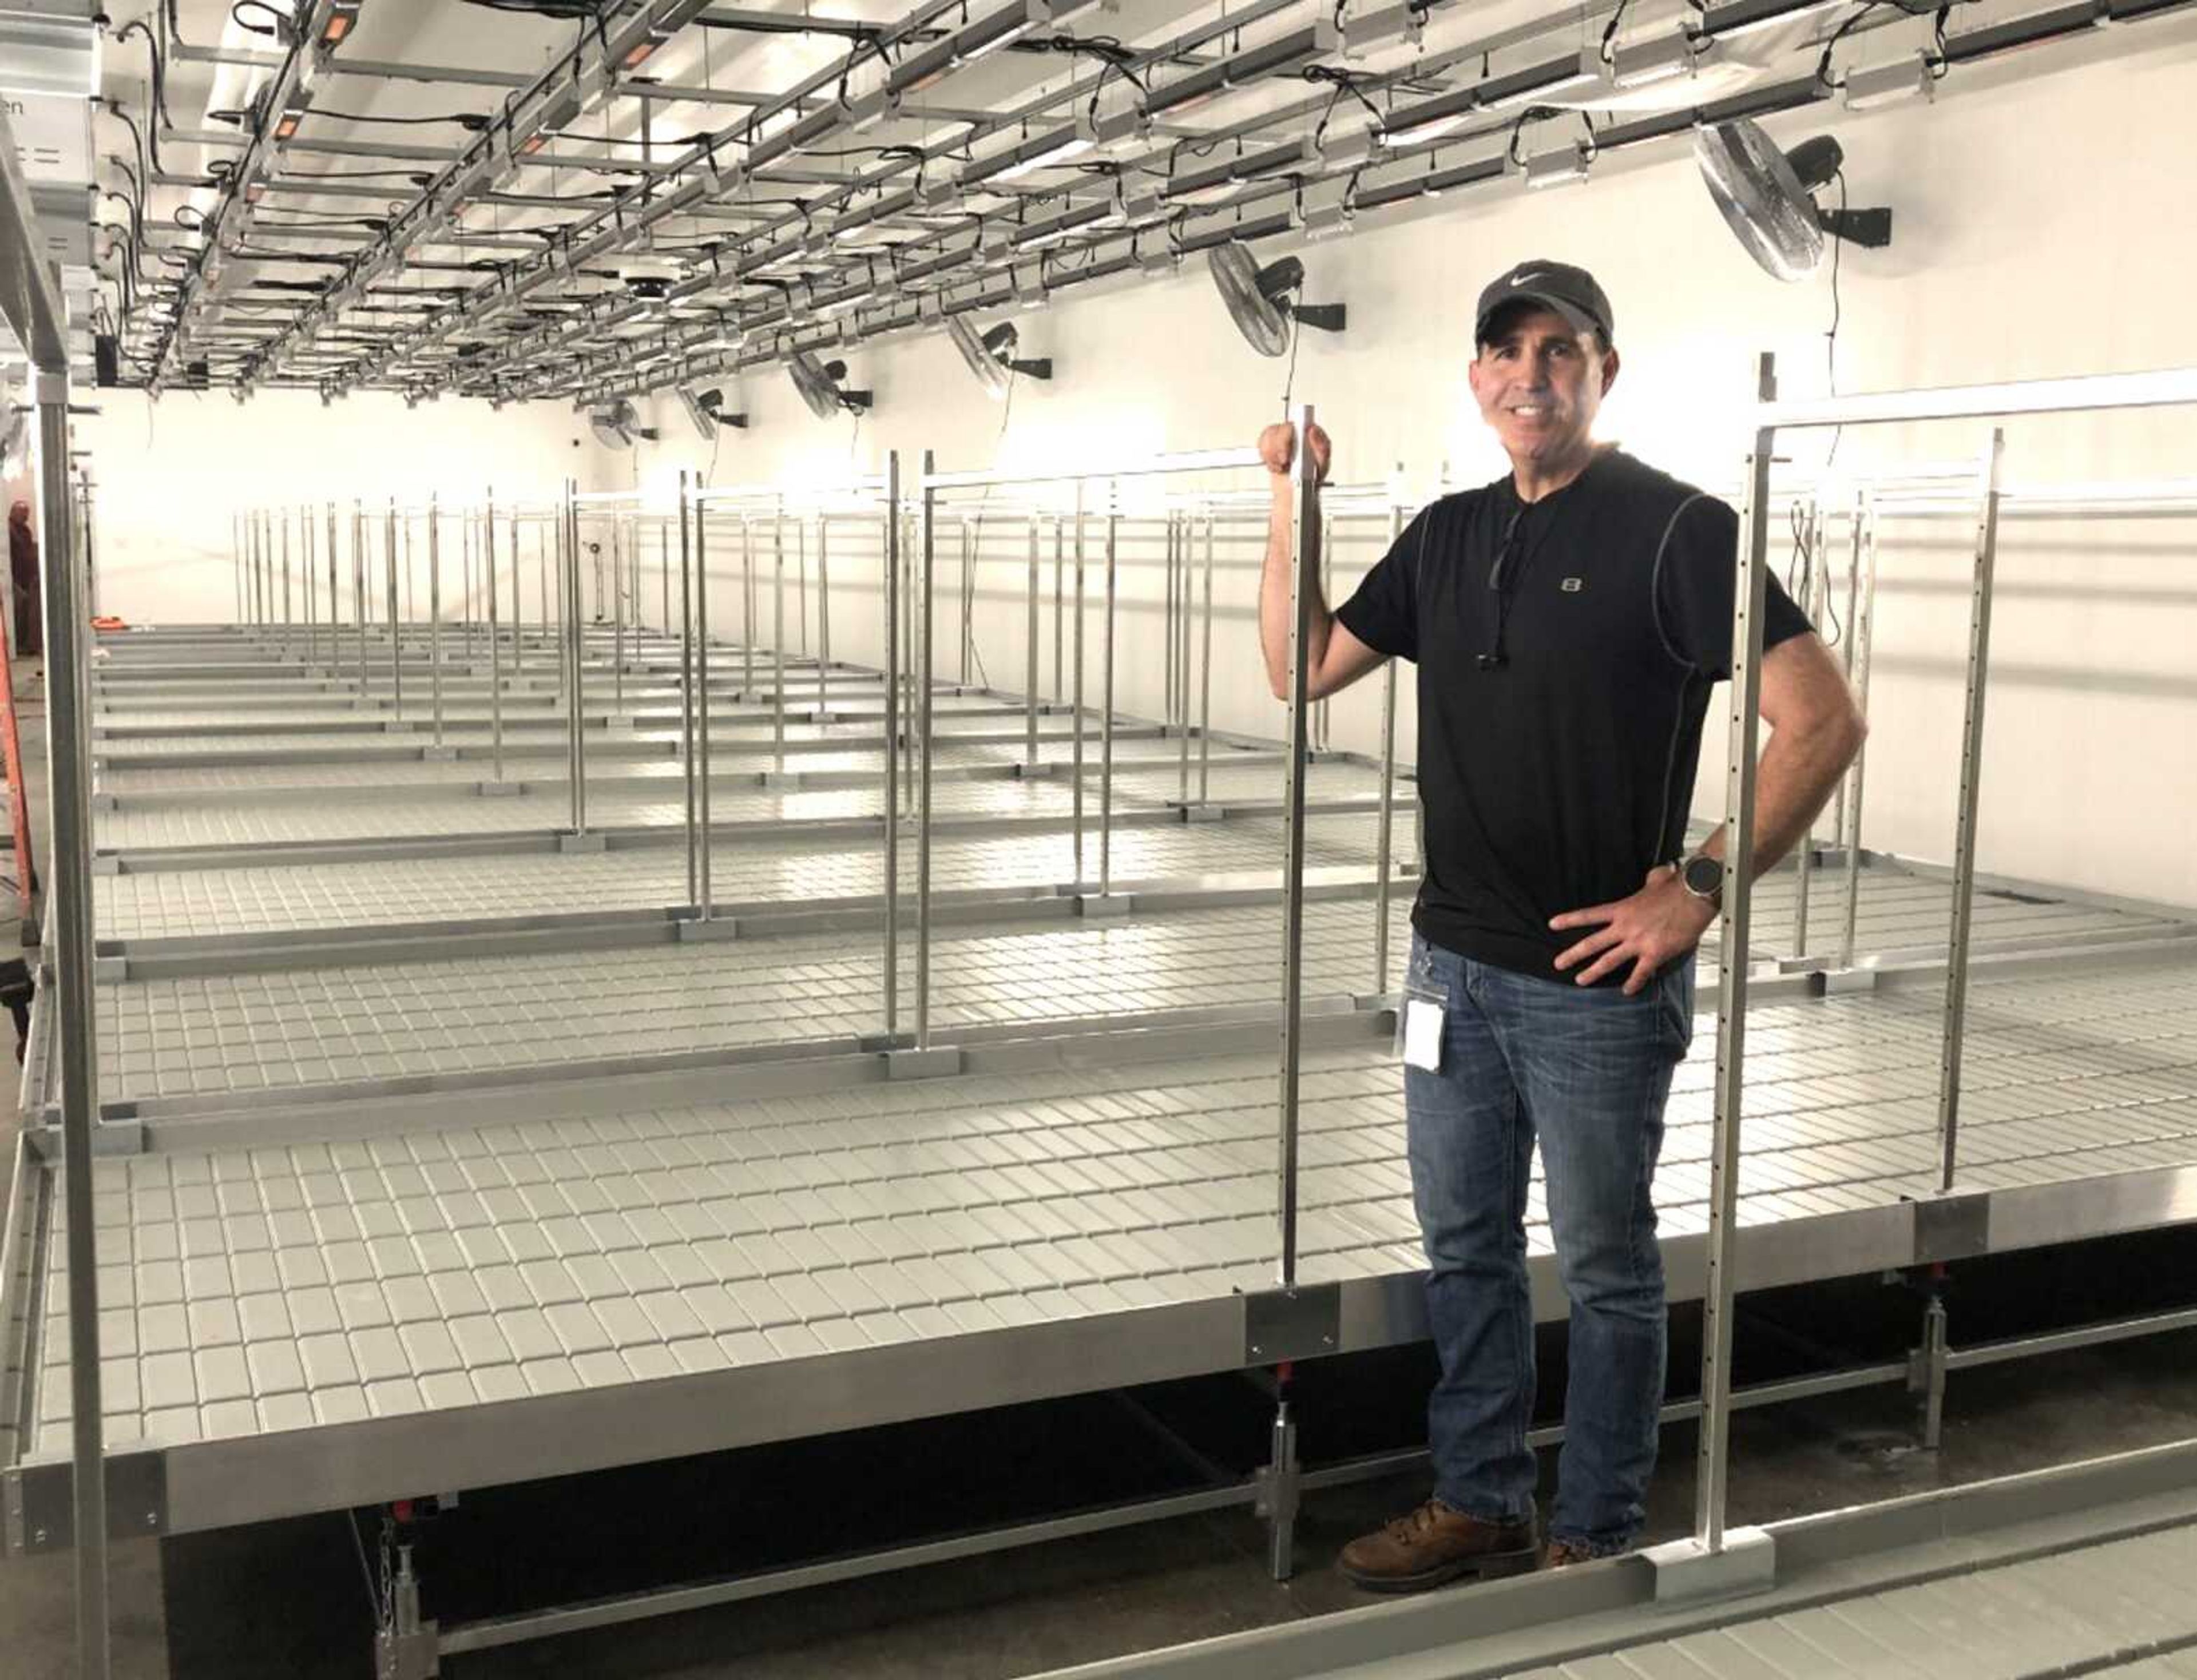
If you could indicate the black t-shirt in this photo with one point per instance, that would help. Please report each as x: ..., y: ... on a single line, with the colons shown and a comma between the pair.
x: 1558, y: 779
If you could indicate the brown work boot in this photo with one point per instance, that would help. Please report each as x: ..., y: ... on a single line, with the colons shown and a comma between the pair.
x: 1561, y: 1553
x: 1433, y: 1544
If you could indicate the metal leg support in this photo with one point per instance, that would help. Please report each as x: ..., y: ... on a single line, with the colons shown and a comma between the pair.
x: 1280, y: 1487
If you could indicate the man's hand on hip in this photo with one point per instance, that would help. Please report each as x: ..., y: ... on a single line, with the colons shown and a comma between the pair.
x: 1656, y: 925
x: 1277, y: 448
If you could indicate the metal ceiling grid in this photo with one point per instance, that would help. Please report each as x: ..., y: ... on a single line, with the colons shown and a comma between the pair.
x: 645, y: 192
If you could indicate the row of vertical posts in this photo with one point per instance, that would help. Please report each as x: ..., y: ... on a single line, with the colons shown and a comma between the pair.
x: 1713, y: 1468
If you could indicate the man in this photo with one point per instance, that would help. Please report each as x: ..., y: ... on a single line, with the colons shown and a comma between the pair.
x: 1569, y: 623
x: 23, y: 574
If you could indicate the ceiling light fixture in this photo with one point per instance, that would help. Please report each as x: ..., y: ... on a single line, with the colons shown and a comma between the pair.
x: 1565, y: 167
x: 1905, y: 78
x: 1283, y: 52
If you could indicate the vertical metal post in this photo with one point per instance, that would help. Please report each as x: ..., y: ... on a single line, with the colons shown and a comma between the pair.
x: 1076, y: 698
x: 823, y: 617
x: 1177, y: 549
x: 286, y: 580
x: 312, y: 585
x: 541, y: 545
x: 925, y: 686
x: 617, y: 613
x: 972, y: 535
x: 1815, y: 601
x: 68, y: 752
x: 358, y: 584
x: 891, y: 562
x: 1106, y: 690
x: 706, y: 897
x: 663, y: 563
x: 778, y: 639
x: 1205, y: 679
x: 1321, y: 737
x: 1744, y: 696
x: 574, y: 719
x: 435, y: 614
x: 335, y: 611
x: 1385, y: 824
x: 1303, y: 576
x: 494, y: 645
x: 1030, y: 663
x: 236, y: 555
x: 801, y: 580
x: 1861, y: 628
x: 1964, y: 839
x: 687, y: 686
x: 1172, y: 685
x: 396, y: 645
x: 747, y: 610
x: 1059, y: 603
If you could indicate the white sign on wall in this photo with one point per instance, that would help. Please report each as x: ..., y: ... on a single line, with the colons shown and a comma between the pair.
x: 53, y: 136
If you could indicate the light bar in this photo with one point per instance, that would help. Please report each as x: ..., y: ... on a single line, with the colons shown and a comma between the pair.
x: 1649, y: 62
x: 1045, y: 150
x: 1205, y: 184
x: 1284, y: 52
x: 342, y: 19
x: 976, y: 40
x: 1563, y: 167
x: 1902, y: 78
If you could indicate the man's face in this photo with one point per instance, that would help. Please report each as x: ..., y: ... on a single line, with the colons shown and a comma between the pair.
x: 1539, y: 383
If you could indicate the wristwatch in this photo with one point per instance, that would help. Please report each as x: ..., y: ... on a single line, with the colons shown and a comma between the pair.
x: 1702, y: 876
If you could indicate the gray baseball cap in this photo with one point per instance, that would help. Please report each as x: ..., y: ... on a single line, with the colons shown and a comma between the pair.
x: 1571, y: 292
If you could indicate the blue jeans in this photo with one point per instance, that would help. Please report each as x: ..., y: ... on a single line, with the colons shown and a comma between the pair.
x: 1587, y: 1071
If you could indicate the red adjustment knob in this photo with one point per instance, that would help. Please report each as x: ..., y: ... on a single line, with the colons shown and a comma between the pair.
x: 401, y: 1511
x: 1285, y: 1370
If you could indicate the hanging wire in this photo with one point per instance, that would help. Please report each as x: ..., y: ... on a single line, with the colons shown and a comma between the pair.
x: 1831, y: 338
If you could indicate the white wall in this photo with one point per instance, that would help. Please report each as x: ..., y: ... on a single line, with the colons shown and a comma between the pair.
x: 170, y: 473
x: 2044, y: 226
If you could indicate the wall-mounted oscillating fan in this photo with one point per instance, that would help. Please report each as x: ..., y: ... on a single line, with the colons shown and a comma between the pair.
x: 1767, y: 197
x: 991, y: 356
x: 817, y: 382
x: 705, y: 409
x: 1259, y: 300
x: 616, y: 425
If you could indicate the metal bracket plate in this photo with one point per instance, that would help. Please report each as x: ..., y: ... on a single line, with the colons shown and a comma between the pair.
x: 1953, y: 1228
x: 1294, y: 1324
x: 41, y: 1511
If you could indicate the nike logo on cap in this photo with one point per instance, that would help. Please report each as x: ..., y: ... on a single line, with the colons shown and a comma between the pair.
x: 1520, y: 278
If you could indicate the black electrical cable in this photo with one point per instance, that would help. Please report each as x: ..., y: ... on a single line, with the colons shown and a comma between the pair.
x: 281, y: 30
x: 1609, y: 33
x: 1831, y: 338
x: 473, y: 122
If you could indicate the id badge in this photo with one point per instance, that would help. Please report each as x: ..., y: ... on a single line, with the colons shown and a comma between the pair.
x: 1421, y: 1014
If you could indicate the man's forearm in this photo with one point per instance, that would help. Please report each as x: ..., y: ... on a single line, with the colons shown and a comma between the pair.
x: 1274, y: 596
x: 1792, y: 783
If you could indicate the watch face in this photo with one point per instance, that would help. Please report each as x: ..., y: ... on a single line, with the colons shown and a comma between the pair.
x: 1704, y: 875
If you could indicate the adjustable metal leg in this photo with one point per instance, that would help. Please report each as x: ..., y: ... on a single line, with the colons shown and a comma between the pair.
x: 405, y: 1647
x: 1928, y: 1375
x: 1280, y: 1484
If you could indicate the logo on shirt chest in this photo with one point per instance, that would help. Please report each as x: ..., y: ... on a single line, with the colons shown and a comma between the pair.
x: 1572, y: 586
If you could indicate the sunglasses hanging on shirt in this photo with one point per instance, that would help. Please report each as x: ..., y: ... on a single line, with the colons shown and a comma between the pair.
x: 1513, y: 559
x: 1495, y: 658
